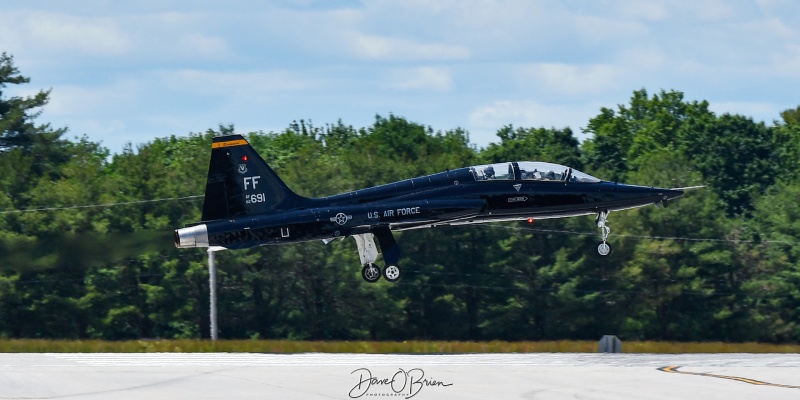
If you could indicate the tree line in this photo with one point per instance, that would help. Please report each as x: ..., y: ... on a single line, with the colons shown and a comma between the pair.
x: 86, y: 247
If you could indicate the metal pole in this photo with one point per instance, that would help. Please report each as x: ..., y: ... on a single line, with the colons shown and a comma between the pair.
x: 212, y: 288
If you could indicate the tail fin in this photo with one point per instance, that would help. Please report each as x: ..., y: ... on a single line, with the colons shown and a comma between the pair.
x: 241, y: 183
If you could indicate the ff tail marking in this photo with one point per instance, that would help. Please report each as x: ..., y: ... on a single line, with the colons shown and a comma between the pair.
x: 236, y: 175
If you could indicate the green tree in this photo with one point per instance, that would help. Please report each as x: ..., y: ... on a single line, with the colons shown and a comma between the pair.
x: 27, y: 151
x: 786, y: 142
x: 775, y: 288
x: 620, y: 138
x: 738, y: 157
x: 719, y: 264
x: 17, y: 129
x: 791, y: 116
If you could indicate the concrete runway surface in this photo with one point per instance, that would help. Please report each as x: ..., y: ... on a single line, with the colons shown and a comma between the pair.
x: 370, y: 376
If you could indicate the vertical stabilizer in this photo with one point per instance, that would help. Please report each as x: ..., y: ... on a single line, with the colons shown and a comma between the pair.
x: 241, y: 183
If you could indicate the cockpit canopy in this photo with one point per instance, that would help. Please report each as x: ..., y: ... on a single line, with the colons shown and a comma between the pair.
x: 530, y: 170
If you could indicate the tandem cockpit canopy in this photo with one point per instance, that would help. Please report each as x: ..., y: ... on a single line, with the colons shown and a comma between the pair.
x: 530, y: 170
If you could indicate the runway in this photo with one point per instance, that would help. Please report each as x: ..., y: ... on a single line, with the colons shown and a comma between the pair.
x: 367, y: 376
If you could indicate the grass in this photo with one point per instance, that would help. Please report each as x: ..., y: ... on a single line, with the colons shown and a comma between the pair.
x: 409, y: 347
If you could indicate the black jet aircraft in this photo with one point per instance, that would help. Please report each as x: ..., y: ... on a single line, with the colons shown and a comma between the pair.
x: 246, y: 204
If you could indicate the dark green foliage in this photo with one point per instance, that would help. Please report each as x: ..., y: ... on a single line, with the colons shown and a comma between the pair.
x: 110, y: 272
x: 737, y: 158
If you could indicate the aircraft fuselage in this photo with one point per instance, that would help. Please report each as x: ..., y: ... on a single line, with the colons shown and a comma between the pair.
x: 448, y: 198
x: 246, y: 204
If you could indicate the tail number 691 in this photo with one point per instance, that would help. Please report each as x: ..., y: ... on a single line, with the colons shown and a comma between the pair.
x: 255, y: 198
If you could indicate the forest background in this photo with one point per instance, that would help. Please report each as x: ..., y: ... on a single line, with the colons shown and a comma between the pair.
x: 86, y: 236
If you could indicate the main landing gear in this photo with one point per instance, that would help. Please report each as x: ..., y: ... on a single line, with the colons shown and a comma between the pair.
x: 603, y: 248
x: 372, y: 273
x: 368, y: 253
x: 392, y: 273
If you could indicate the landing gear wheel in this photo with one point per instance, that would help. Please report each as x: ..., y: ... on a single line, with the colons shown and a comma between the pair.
x: 392, y: 273
x: 371, y: 273
x: 603, y: 249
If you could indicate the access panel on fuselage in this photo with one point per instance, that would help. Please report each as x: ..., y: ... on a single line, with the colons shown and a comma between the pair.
x: 531, y: 198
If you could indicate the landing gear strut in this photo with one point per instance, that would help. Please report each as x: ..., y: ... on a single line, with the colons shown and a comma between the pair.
x: 603, y: 248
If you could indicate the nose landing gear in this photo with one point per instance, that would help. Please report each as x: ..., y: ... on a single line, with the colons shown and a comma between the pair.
x: 603, y: 248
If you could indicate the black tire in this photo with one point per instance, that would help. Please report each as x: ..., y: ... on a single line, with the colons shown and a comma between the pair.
x: 392, y: 273
x: 603, y: 249
x: 371, y: 273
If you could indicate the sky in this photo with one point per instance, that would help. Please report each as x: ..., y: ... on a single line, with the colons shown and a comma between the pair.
x: 129, y: 72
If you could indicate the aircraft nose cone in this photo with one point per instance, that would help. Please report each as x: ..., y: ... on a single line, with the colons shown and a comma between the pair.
x: 669, y: 194
x: 673, y: 193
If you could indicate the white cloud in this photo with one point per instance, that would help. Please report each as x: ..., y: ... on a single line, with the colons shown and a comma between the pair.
x: 235, y: 83
x: 640, y: 60
x: 376, y: 47
x: 174, y: 35
x: 171, y: 65
x: 76, y: 100
x: 644, y: 10
x: 63, y: 33
x: 568, y: 79
x: 772, y: 27
x: 205, y: 45
x: 422, y: 78
x: 157, y: 37
x: 116, y: 130
x: 90, y: 35
x: 775, y: 5
x: 485, y: 120
x: 596, y: 30
x: 787, y: 64
x: 708, y: 10
x: 759, y: 111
